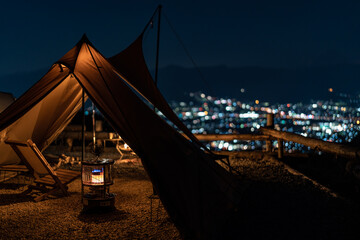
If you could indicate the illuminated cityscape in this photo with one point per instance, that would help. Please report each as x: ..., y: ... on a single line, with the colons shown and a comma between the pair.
x: 330, y: 120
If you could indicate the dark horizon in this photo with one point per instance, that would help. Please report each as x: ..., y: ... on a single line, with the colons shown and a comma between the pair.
x: 279, y: 36
x: 259, y: 33
x: 274, y: 85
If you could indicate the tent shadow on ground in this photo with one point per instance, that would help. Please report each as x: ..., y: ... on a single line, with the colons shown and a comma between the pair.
x: 9, y: 199
x: 12, y: 186
x: 272, y: 210
x: 102, y: 217
x: 329, y: 171
x: 131, y: 172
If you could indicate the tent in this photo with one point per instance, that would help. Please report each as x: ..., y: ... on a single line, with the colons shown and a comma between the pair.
x: 132, y: 66
x: 197, y: 193
x: 5, y: 100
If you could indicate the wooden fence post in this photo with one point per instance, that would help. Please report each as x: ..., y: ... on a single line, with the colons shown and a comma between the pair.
x: 269, y: 124
x: 280, y: 148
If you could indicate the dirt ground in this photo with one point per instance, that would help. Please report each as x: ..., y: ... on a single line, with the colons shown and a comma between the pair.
x: 62, y: 217
x: 277, y: 202
x: 282, y: 203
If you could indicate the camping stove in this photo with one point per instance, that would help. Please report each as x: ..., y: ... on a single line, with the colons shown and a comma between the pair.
x: 96, y: 180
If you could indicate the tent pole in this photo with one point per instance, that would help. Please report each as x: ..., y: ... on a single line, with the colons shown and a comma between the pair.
x: 83, y: 141
x: 157, y: 64
x: 83, y: 127
x: 94, y: 127
x: 157, y: 47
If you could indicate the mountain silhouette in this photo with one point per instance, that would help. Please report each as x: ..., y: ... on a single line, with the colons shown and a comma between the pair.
x: 265, y: 84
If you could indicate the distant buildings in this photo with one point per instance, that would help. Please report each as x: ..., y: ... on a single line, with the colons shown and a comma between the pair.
x: 332, y: 120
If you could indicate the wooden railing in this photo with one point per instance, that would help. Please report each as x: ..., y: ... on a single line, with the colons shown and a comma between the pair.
x: 316, y: 144
x: 268, y: 134
x: 231, y: 137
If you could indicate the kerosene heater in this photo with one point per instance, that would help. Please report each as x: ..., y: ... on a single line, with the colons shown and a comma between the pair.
x: 96, y: 181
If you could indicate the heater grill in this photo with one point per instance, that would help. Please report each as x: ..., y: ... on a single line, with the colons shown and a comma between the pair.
x: 96, y: 181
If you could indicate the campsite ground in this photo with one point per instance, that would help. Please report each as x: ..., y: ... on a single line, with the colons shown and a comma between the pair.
x: 278, y: 203
x: 62, y: 217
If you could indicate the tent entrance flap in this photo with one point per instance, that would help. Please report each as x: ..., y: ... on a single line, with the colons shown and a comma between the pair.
x: 45, y: 120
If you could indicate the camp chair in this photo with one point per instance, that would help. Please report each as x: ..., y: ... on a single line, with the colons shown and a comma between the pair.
x: 125, y: 151
x: 45, y: 175
x: 10, y: 171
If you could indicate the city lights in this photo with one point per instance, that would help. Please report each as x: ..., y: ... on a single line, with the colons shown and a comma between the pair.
x: 335, y: 121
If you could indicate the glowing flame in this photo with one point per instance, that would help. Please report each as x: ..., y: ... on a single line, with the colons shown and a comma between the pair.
x: 97, y: 176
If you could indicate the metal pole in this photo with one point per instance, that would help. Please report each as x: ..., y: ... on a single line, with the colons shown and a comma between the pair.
x: 83, y: 127
x: 83, y: 142
x: 94, y: 126
x: 157, y: 47
x: 157, y: 63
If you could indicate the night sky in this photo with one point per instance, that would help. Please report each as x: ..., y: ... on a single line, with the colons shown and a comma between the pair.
x: 274, y: 34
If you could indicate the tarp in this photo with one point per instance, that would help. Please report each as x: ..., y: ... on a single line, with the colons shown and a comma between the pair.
x: 5, y: 100
x: 40, y: 117
x: 197, y: 193
x: 131, y: 65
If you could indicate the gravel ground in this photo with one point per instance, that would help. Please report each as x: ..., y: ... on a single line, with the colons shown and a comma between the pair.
x: 281, y: 203
x: 277, y: 203
x: 62, y: 217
